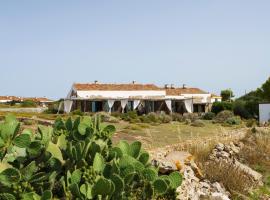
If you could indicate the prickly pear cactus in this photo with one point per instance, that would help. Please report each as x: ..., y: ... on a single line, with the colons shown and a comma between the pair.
x: 75, y: 159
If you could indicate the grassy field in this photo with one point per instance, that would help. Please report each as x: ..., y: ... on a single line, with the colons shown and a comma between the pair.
x: 167, y: 134
x: 151, y: 135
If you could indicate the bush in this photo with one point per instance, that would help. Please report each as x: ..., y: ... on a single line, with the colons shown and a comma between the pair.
x: 177, y: 117
x: 28, y: 103
x: 223, y: 116
x: 76, y: 160
x: 197, y: 123
x: 191, y: 116
x: 129, y: 116
x: 28, y: 122
x: 217, y: 107
x: 77, y: 112
x: 251, y: 122
x: 209, y: 116
x: 106, y: 117
x: 239, y: 108
x: 153, y: 117
x: 236, y: 120
x: 165, y: 118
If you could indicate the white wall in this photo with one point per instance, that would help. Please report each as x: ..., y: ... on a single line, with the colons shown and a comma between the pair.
x: 213, y: 99
x: 120, y: 94
x: 203, y: 96
x: 5, y: 101
x: 264, y: 112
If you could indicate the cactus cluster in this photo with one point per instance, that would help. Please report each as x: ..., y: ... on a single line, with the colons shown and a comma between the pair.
x: 75, y: 159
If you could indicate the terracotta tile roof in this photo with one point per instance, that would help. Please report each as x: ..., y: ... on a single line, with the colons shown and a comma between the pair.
x: 179, y: 91
x: 113, y: 87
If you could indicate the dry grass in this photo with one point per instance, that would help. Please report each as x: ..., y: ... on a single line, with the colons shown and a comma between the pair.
x: 257, y: 148
x: 256, y: 154
x: 234, y: 179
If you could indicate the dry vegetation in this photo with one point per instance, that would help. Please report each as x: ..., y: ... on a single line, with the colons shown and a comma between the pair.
x: 255, y: 153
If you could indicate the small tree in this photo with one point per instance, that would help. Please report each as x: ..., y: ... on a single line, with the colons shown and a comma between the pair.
x: 266, y: 90
x: 220, y: 106
x: 226, y: 95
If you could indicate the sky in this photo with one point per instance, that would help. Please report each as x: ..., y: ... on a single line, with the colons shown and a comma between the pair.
x: 46, y: 46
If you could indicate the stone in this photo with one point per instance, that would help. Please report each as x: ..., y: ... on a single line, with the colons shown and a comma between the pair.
x: 165, y: 166
x: 218, y: 196
x: 252, y: 174
x: 222, y: 154
x: 220, y: 147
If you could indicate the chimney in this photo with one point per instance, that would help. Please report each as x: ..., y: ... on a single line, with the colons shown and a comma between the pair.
x: 184, y: 86
x: 172, y: 86
x: 96, y: 81
x: 166, y: 86
x: 133, y: 82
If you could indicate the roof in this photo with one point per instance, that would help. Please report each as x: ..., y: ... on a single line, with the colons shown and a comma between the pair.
x: 215, y: 96
x: 179, y: 91
x: 9, y: 98
x: 115, y: 87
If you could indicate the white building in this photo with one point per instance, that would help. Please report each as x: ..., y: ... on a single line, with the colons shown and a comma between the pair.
x: 145, y: 98
x: 264, y: 112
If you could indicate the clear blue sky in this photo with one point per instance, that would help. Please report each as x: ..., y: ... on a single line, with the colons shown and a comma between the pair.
x: 45, y: 46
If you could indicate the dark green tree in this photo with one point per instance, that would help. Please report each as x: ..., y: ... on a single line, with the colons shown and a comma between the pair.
x: 265, y: 90
x: 226, y: 95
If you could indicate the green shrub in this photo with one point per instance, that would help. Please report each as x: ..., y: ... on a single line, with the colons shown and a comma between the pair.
x: 153, y: 117
x: 197, y: 123
x: 223, y: 116
x: 177, y: 117
x: 191, y: 116
x: 217, y: 107
x: 239, y: 108
x: 129, y: 116
x: 165, y: 118
x: 28, y: 103
x: 75, y: 159
x: 209, y: 116
x: 251, y: 122
x: 236, y: 120
x: 28, y: 122
x: 77, y: 112
x: 106, y: 117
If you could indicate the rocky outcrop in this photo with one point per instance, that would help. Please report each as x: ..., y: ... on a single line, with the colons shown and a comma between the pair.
x: 223, y: 165
x: 194, y: 186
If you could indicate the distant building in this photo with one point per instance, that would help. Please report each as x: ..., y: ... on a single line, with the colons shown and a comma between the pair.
x: 264, y: 112
x: 42, y: 101
x: 7, y: 99
x: 215, y: 98
x: 145, y: 98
